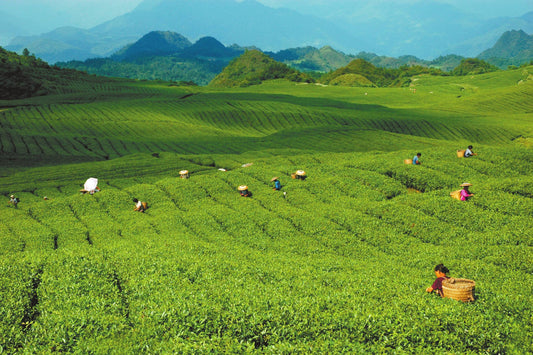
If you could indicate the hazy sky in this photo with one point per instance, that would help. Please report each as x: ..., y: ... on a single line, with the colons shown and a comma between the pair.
x: 38, y: 16
x: 486, y: 8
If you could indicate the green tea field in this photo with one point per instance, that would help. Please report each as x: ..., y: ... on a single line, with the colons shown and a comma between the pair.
x: 336, y: 263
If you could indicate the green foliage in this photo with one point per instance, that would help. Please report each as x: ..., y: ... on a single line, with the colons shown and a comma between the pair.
x: 472, y: 66
x: 168, y: 68
x: 254, y: 67
x: 363, y: 73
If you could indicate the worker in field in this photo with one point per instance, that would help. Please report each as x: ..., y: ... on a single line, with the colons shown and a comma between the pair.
x: 277, y: 183
x: 440, y: 272
x: 140, y: 206
x: 416, y: 159
x: 243, y: 191
x: 14, y: 201
x: 469, y: 152
x: 465, y: 193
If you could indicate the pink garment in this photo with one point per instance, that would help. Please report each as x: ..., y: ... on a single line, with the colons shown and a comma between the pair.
x: 464, y: 195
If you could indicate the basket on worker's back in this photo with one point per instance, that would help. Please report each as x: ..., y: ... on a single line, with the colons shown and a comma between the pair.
x: 458, y: 289
x: 456, y: 194
x: 461, y: 153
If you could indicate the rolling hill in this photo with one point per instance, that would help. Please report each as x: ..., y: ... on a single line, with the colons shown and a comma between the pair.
x: 253, y: 67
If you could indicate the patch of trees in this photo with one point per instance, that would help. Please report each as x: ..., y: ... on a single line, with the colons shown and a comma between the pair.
x: 472, y: 66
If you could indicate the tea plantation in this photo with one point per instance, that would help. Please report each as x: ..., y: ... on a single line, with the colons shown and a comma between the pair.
x: 336, y: 263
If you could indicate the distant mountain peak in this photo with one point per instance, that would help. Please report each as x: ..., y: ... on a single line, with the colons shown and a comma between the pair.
x: 154, y: 43
x: 514, y: 45
x: 210, y: 47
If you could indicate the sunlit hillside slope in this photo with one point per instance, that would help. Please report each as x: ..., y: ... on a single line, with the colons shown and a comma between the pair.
x: 336, y: 263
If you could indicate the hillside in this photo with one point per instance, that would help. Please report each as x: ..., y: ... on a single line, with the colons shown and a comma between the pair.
x: 253, y: 67
x: 513, y: 48
x: 360, y: 72
x: 23, y: 76
x: 336, y: 263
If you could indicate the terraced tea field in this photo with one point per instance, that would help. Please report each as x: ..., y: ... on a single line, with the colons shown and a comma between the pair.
x: 336, y: 263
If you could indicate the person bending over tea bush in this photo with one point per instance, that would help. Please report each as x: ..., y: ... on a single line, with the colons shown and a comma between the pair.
x: 465, y: 193
x: 469, y: 152
x: 14, y: 200
x: 140, y: 206
x: 416, y: 159
x: 440, y: 272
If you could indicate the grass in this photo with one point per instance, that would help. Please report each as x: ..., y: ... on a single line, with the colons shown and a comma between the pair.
x: 337, y: 264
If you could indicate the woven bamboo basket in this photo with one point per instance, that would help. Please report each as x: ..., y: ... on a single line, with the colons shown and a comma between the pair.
x: 461, y: 153
x: 456, y: 194
x: 408, y: 161
x: 459, y: 289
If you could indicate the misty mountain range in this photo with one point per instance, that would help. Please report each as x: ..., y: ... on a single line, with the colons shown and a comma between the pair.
x: 424, y: 30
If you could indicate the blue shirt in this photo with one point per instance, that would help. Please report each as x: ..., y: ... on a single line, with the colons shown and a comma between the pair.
x: 415, y: 160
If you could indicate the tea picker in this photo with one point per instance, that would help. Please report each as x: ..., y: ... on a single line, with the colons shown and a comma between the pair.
x: 140, y: 206
x: 90, y: 186
x: 466, y: 153
x: 469, y: 152
x: 457, y: 289
x: 243, y: 190
x: 184, y: 174
x: 14, y: 201
x: 416, y: 159
x: 440, y: 272
x: 299, y: 175
x: 277, y: 184
x: 464, y: 194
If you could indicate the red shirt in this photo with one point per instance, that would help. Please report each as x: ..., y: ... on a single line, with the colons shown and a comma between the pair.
x: 437, y: 285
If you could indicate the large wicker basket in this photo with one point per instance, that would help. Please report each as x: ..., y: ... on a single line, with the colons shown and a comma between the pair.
x: 408, y: 161
x: 456, y: 194
x: 459, y: 289
x: 461, y: 153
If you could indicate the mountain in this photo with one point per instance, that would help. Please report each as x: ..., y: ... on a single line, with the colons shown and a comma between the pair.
x: 423, y: 29
x: 209, y: 47
x: 513, y: 48
x: 246, y: 22
x: 164, y: 56
x: 155, y: 43
x: 484, y: 35
x: 68, y: 42
x: 253, y: 67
